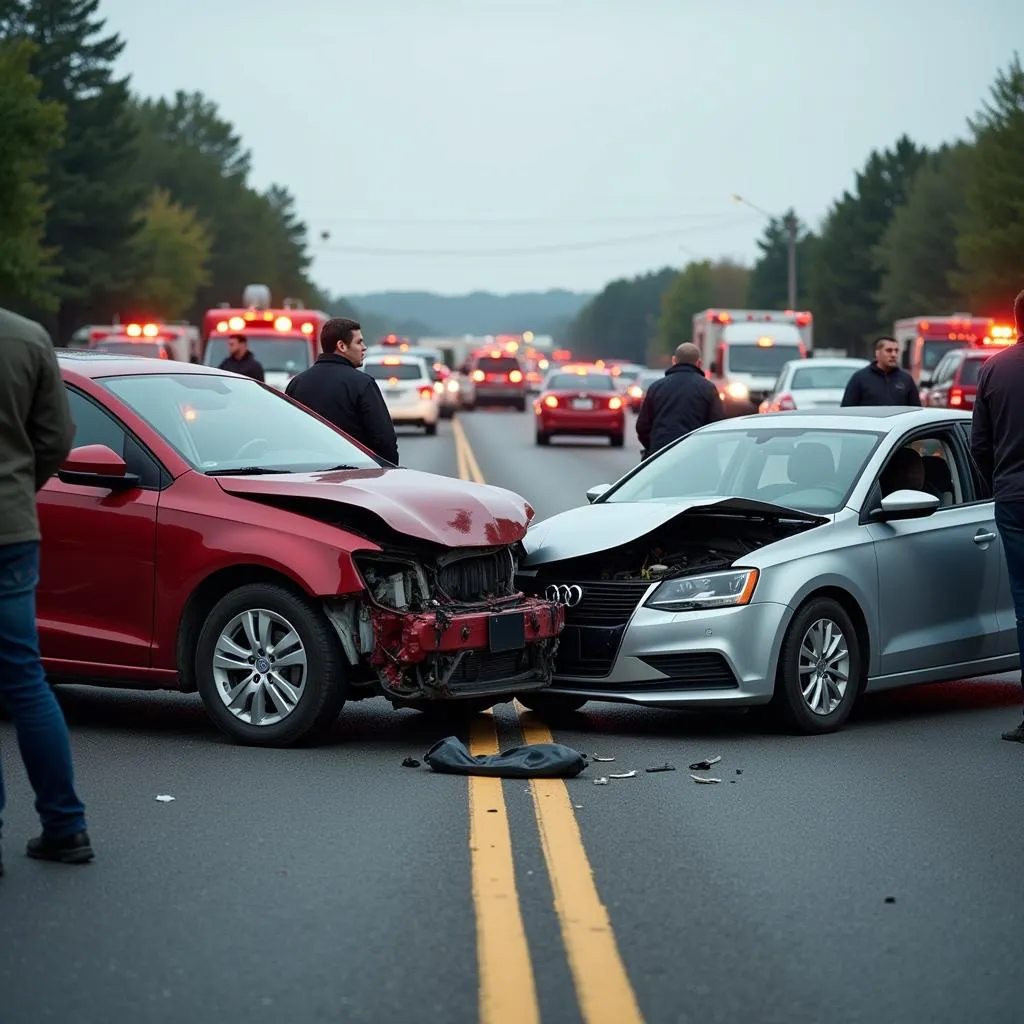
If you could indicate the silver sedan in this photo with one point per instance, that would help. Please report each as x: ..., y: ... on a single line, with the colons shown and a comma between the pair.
x: 811, y: 384
x: 791, y: 559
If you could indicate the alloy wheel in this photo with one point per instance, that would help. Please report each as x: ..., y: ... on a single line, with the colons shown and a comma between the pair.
x: 824, y: 666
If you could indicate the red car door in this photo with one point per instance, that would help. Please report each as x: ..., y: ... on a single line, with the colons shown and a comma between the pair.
x: 97, y: 577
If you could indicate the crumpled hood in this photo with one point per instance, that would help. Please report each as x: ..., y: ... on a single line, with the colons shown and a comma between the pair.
x: 434, y: 508
x: 593, y: 528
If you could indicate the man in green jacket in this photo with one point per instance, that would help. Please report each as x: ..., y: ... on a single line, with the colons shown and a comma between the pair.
x: 36, y: 433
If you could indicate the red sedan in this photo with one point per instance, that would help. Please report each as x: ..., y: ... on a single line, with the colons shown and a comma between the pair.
x: 584, y: 403
x: 208, y: 534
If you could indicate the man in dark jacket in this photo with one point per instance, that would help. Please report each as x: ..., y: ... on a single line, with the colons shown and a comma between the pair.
x: 36, y: 434
x: 334, y: 387
x: 997, y: 443
x: 240, y: 359
x: 683, y: 400
x: 883, y: 382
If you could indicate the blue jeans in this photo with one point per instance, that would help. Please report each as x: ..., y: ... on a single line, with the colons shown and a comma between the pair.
x: 24, y: 691
x: 1010, y: 524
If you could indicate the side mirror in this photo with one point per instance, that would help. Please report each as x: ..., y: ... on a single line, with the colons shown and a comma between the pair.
x: 596, y: 491
x: 96, y: 465
x: 714, y: 369
x: 906, y: 505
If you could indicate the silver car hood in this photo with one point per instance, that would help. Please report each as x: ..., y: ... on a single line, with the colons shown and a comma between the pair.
x: 591, y: 529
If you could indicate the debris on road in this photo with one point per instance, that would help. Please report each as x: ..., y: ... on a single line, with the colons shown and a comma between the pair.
x: 596, y: 758
x: 601, y: 781
x: 164, y: 799
x: 739, y: 771
x: 662, y: 768
x: 890, y: 899
x: 703, y: 766
x: 624, y: 775
x: 704, y: 779
x: 410, y: 762
x: 533, y: 760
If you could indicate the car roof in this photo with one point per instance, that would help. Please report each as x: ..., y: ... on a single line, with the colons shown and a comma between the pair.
x: 92, y: 364
x: 829, y: 361
x: 879, y: 418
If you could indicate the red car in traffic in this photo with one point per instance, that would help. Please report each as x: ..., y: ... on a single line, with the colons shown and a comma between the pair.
x: 583, y: 403
x: 955, y: 381
x: 208, y: 534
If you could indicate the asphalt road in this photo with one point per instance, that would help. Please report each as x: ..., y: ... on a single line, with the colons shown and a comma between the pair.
x: 873, y: 875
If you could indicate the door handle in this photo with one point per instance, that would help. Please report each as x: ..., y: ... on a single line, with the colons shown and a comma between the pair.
x: 983, y: 538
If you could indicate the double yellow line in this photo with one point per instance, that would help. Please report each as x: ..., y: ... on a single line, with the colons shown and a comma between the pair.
x: 508, y: 992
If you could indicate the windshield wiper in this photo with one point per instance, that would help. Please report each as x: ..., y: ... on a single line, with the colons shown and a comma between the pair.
x: 246, y: 471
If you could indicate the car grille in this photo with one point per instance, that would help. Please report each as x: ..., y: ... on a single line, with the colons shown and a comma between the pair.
x: 480, y: 672
x: 478, y: 577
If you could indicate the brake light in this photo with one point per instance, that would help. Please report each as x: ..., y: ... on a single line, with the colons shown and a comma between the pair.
x: 615, y: 403
x: 785, y: 403
x: 515, y: 376
x: 426, y: 392
x: 478, y: 375
x: 956, y: 397
x: 551, y: 401
x: 635, y: 391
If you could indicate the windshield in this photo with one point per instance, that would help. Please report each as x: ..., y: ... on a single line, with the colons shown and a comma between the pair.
x: 970, y: 370
x: 150, y: 349
x: 764, y: 362
x: 580, y: 382
x: 388, y: 371
x: 275, y: 355
x: 822, y: 377
x: 811, y: 470
x: 628, y: 375
x: 221, y: 423
x: 933, y: 351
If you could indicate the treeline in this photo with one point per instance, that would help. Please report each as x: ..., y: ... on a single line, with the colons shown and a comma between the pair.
x: 115, y: 204
x: 920, y: 232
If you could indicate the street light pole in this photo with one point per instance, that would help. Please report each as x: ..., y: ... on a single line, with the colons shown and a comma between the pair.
x: 791, y: 225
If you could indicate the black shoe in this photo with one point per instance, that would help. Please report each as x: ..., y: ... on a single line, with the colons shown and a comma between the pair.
x: 1015, y: 735
x: 74, y: 849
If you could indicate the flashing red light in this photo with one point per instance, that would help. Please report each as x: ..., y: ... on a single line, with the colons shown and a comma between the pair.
x: 803, y: 319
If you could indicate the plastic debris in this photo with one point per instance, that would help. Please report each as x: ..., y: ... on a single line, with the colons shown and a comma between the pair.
x: 890, y: 899
x: 662, y: 768
x: 624, y: 775
x: 739, y: 771
x: 704, y: 779
x: 703, y: 766
x: 164, y: 799
x: 601, y: 781
x: 534, y: 760
x: 410, y: 762
x: 596, y: 758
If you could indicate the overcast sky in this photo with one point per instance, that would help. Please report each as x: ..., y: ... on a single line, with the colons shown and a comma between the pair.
x: 593, y: 138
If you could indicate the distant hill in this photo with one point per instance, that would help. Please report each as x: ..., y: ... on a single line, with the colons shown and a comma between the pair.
x: 477, y: 313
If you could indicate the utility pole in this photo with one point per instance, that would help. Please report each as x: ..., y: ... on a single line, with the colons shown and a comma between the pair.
x: 791, y: 229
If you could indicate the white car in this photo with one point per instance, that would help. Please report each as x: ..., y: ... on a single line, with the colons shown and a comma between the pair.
x: 407, y: 384
x: 811, y: 384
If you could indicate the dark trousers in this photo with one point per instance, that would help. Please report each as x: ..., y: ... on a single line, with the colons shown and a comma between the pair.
x: 24, y: 691
x: 1010, y: 524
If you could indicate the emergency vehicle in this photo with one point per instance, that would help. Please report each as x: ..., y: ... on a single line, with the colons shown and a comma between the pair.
x: 284, y: 340
x: 924, y: 340
x: 159, y: 339
x: 743, y: 351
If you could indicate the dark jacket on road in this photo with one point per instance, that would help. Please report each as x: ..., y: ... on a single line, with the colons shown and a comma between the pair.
x: 248, y: 366
x: 997, y: 427
x: 874, y: 386
x: 683, y: 400
x: 36, y: 431
x: 350, y: 399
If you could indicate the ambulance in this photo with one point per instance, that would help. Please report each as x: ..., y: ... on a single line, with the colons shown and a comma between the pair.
x: 157, y: 339
x: 925, y: 339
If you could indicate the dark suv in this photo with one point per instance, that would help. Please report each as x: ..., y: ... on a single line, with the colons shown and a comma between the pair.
x: 498, y: 379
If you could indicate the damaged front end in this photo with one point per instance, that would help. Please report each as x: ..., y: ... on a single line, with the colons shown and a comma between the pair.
x: 441, y: 624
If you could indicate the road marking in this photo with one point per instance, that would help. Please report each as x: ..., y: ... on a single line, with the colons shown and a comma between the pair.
x: 602, y: 984
x: 508, y: 994
x: 464, y: 452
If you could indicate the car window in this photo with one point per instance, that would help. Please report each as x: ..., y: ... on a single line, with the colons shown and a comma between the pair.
x: 94, y: 425
x: 970, y: 371
x: 581, y: 381
x: 807, y: 377
x: 394, y: 371
x: 927, y: 462
x: 982, y: 491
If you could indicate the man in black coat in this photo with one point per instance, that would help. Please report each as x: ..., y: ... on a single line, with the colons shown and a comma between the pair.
x: 336, y: 389
x: 683, y: 400
x: 883, y: 382
x: 240, y: 359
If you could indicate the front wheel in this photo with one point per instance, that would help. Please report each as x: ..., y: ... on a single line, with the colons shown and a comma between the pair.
x: 543, y: 438
x: 820, y: 667
x: 617, y: 440
x: 268, y: 667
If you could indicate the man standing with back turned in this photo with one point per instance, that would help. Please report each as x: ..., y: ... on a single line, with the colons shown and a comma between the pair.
x: 681, y: 401
x: 997, y: 443
x: 36, y: 434
x: 883, y: 382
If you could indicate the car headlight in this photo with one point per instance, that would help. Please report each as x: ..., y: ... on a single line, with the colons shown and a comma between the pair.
x: 727, y: 589
x: 738, y: 390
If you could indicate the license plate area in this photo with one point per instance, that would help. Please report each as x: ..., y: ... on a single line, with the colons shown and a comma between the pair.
x: 582, y: 403
x: 506, y: 632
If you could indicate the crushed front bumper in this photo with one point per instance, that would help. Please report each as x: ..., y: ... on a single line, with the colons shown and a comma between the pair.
x: 442, y: 654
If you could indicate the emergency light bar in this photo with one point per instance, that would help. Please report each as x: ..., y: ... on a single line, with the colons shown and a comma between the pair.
x: 264, y: 320
x: 789, y: 316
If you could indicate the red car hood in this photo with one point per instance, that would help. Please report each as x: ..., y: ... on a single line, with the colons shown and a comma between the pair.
x: 440, y: 509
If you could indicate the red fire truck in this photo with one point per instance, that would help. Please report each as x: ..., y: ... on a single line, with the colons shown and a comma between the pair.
x: 285, y: 340
x: 924, y: 340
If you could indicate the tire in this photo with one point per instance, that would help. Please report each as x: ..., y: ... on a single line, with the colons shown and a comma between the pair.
x: 553, y: 704
x: 817, y: 621
x: 320, y: 685
x: 430, y: 429
x: 617, y: 440
x: 543, y: 439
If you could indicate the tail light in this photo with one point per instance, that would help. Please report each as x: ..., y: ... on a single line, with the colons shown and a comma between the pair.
x: 478, y: 375
x: 785, y: 403
x: 956, y: 397
x: 515, y: 376
x: 551, y: 401
x: 427, y: 392
x: 615, y: 403
x: 636, y: 392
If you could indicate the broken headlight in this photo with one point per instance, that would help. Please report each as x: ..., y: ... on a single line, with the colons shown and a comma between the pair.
x: 712, y: 590
x: 394, y: 582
